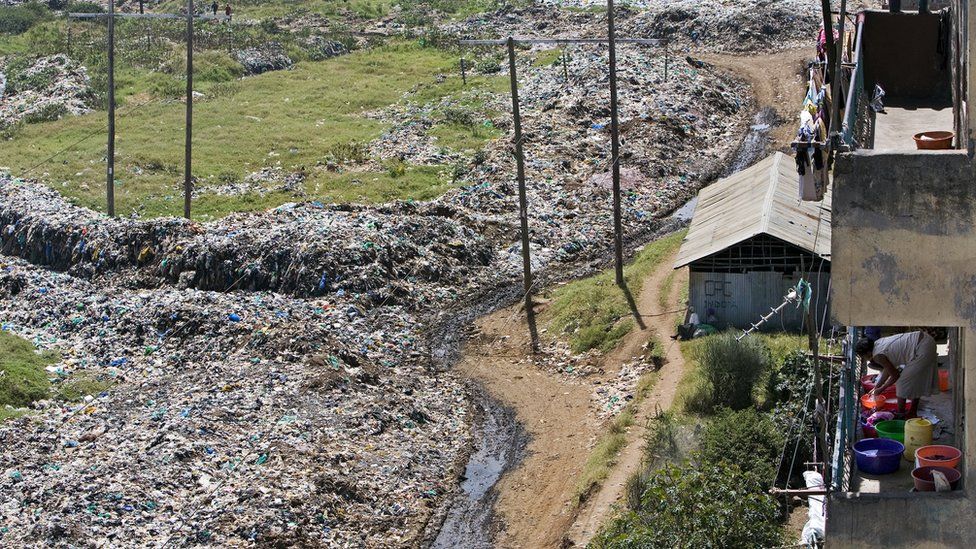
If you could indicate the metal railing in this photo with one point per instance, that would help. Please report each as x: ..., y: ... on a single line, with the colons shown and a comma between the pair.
x: 847, y: 416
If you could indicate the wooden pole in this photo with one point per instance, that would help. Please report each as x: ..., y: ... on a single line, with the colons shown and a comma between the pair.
x: 520, y: 166
x: 110, y: 156
x: 188, y: 173
x: 618, y: 244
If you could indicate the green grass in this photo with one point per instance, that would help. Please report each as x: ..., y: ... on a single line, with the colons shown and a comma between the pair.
x: 462, y: 137
x: 546, y: 58
x: 664, y: 295
x: 604, y: 456
x: 593, y: 312
x: 292, y: 117
x: 23, y: 378
x: 81, y: 385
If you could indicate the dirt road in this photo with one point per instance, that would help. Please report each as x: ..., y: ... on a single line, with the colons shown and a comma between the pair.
x: 775, y: 81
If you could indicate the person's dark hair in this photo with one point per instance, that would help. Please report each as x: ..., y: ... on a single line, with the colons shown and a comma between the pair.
x: 864, y: 346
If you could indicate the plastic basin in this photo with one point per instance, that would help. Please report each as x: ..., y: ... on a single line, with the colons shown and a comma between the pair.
x: 878, y: 456
x: 893, y: 429
x: 873, y: 402
x: 937, y: 455
x: 923, y: 478
x: 934, y: 140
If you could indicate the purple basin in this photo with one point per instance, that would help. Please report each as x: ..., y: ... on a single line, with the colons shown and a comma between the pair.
x: 878, y: 456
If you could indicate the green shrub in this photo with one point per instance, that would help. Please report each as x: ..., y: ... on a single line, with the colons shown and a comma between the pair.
x: 165, y: 86
x: 18, y: 19
x: 712, y: 505
x: 789, y: 387
x: 216, y: 66
x: 730, y: 369
x: 347, y: 153
x: 747, y: 439
x: 396, y: 168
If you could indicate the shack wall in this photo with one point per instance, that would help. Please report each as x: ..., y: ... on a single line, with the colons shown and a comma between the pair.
x: 740, y: 299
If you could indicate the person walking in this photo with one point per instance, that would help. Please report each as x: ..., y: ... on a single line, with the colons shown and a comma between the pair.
x: 214, y: 7
x: 908, y: 361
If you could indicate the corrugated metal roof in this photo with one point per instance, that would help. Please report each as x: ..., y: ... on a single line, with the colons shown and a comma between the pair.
x: 762, y: 199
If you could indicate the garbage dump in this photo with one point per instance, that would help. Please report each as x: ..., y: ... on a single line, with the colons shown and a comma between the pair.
x: 231, y: 418
x: 266, y: 378
x: 718, y: 25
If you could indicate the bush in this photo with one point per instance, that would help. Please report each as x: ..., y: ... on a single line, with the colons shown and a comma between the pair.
x: 216, y: 66
x: 730, y: 370
x: 19, y: 19
x: 713, y: 505
x: 747, y: 439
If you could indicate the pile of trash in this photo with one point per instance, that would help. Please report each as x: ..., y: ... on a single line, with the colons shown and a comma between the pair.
x: 724, y: 25
x: 265, y: 58
x: 42, y: 89
x: 678, y: 124
x: 713, y: 25
x: 264, y: 181
x: 402, y: 254
x: 231, y: 418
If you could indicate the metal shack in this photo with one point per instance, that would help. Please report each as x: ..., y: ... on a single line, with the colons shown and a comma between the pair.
x: 751, y: 239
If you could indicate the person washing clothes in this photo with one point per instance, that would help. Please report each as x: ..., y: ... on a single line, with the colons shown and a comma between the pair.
x: 915, y: 353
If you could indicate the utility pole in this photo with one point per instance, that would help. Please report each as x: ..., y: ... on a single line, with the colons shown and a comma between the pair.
x: 520, y: 166
x: 110, y: 175
x: 618, y: 244
x: 188, y: 173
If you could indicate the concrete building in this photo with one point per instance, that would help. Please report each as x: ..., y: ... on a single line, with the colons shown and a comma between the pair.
x: 751, y: 239
x: 904, y: 254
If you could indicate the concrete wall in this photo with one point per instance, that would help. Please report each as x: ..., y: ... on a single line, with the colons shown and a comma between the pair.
x: 904, y: 254
x: 901, y: 54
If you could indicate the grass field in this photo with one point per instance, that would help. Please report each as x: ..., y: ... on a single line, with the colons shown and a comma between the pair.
x: 291, y: 119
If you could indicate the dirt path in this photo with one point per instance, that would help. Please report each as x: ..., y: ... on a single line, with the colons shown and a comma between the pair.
x: 533, y: 500
x: 775, y: 81
x: 601, y: 505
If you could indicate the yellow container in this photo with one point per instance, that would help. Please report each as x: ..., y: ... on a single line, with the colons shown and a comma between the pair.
x: 918, y: 433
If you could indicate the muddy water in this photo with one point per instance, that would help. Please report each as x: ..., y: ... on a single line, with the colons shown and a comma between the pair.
x: 499, y: 439
x: 500, y: 442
